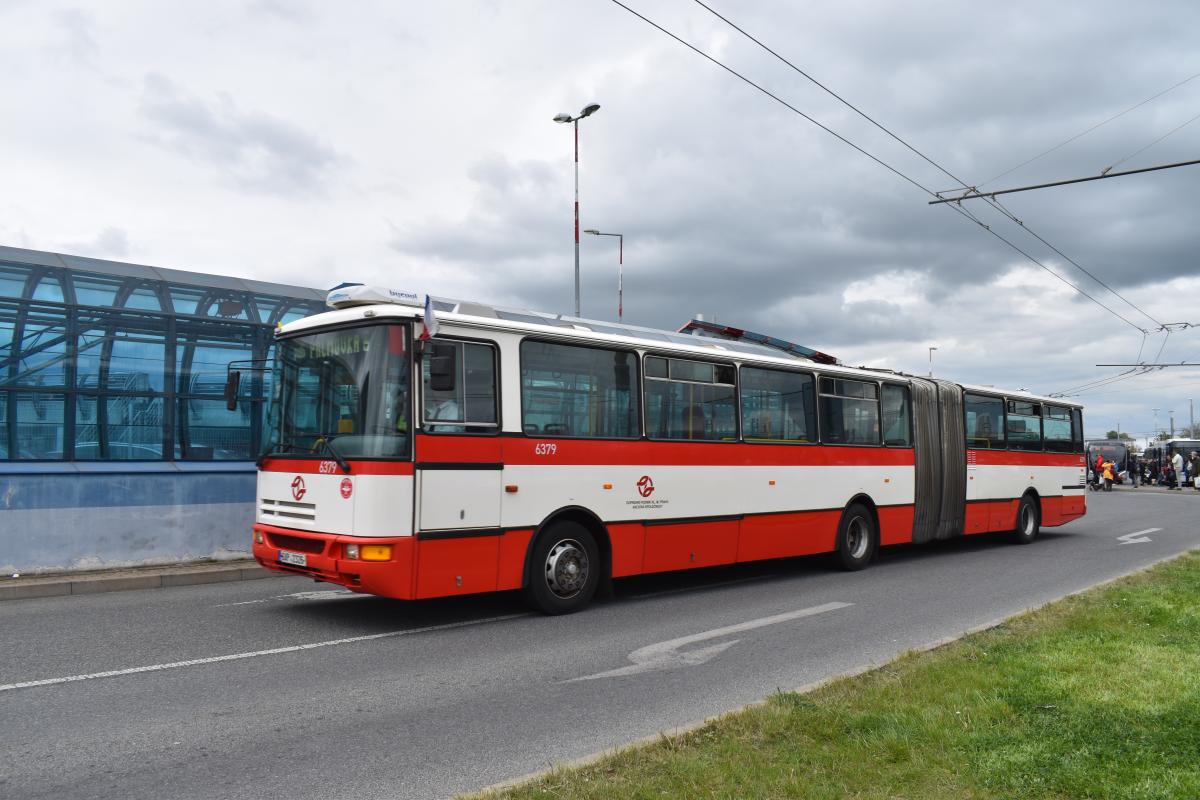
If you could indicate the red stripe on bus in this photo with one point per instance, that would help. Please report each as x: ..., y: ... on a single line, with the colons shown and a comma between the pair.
x: 608, y: 452
x: 313, y: 466
x: 1016, y: 458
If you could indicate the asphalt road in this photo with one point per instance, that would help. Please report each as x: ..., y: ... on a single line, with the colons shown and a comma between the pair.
x: 282, y: 688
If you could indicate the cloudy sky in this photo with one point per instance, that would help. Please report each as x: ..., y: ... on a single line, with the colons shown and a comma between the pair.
x: 411, y: 144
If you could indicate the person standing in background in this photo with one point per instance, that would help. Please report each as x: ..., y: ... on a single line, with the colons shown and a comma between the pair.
x: 1133, y: 467
x: 1177, y: 467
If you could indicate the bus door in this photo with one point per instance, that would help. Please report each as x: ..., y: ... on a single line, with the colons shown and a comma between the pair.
x: 458, y: 461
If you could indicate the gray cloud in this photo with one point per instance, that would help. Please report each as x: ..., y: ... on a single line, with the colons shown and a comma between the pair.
x: 254, y: 149
x: 110, y: 243
x: 78, y: 39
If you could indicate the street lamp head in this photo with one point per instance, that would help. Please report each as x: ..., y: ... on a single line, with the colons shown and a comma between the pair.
x: 592, y: 231
x: 588, y: 110
x: 563, y: 118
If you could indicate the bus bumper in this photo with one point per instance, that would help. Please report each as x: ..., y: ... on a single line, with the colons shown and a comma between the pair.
x: 321, y: 556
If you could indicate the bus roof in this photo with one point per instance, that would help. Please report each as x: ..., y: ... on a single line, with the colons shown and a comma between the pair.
x: 480, y: 316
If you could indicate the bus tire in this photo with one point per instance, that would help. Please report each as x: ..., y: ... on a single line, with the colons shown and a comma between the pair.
x: 857, y: 539
x: 1029, y: 521
x: 564, y: 569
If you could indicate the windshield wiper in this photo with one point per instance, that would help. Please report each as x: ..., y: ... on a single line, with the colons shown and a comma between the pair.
x: 258, y: 462
x: 326, y: 441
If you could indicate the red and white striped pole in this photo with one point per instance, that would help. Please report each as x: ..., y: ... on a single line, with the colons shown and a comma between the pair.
x: 587, y: 111
x: 576, y: 121
x: 620, y: 277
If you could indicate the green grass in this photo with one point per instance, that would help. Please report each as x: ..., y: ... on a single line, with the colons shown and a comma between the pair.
x: 1096, y: 696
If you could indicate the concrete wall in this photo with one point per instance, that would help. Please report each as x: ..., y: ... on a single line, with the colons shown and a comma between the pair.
x: 90, y: 516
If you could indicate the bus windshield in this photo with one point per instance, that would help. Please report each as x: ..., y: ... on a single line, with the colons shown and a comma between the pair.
x: 1111, y: 452
x: 342, y: 393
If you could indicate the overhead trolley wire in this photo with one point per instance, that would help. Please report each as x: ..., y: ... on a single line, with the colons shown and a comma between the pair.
x: 874, y: 158
x: 1089, y: 130
x: 1177, y: 128
x: 892, y: 169
x: 926, y: 158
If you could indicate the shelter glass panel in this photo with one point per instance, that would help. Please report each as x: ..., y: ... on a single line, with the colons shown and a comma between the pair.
x: 49, y: 289
x: 39, y: 358
x: 144, y: 298
x: 124, y: 428
x: 136, y: 359
x: 12, y: 280
x: 209, y: 431
x: 95, y: 290
x: 40, y: 418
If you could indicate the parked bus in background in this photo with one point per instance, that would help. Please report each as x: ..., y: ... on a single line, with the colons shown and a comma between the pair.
x: 1113, y: 450
x: 518, y: 450
x: 1158, y: 454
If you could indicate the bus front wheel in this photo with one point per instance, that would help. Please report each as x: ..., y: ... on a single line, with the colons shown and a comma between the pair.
x: 856, y: 538
x: 564, y: 569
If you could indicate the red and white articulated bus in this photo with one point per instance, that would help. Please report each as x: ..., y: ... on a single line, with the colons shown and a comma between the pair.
x: 517, y: 450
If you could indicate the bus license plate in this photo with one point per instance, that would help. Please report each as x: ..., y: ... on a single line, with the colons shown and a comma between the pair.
x: 295, y: 559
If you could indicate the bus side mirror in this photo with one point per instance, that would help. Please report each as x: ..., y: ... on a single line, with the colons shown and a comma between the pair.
x: 232, y: 382
x: 442, y: 367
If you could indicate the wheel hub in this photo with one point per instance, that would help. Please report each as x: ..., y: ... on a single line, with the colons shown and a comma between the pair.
x: 566, y: 568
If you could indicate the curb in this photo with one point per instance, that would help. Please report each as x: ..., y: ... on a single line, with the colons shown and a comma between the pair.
x: 121, y: 580
x: 520, y: 781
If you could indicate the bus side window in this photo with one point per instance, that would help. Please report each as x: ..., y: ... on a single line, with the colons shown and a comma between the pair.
x: 1056, y: 429
x: 1024, y: 425
x: 694, y: 400
x: 459, y: 388
x: 896, y: 427
x: 849, y: 411
x: 777, y: 406
x: 985, y: 421
x: 573, y: 390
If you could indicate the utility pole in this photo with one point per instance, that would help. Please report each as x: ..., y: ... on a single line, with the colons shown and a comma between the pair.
x: 1155, y: 436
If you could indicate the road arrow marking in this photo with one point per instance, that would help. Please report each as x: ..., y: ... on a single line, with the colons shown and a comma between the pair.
x: 1137, y: 536
x: 666, y: 655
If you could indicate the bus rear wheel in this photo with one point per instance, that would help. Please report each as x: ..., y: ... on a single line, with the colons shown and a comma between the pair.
x: 564, y: 569
x: 1029, y: 521
x: 857, y: 538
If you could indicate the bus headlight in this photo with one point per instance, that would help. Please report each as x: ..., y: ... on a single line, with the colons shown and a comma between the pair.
x: 351, y: 551
x: 376, y: 552
x: 258, y: 537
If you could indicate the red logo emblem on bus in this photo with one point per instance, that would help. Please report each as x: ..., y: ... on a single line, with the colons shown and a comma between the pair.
x: 298, y: 489
x: 347, y: 488
x: 645, y: 486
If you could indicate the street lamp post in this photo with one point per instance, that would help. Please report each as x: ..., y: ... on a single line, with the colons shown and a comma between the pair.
x: 620, y: 269
x: 931, y: 361
x: 587, y: 111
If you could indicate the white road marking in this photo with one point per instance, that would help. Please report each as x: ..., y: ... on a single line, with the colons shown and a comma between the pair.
x: 195, y: 662
x: 666, y: 655
x: 325, y: 594
x: 1137, y: 536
